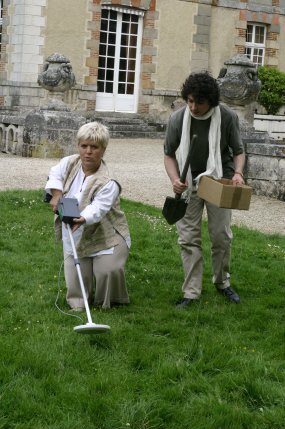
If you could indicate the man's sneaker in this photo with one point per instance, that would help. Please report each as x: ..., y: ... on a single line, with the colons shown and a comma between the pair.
x: 230, y: 294
x: 184, y: 303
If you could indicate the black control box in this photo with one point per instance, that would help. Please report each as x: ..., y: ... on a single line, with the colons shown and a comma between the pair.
x: 68, y: 209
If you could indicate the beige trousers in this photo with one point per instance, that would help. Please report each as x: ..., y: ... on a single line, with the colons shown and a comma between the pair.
x: 109, y: 273
x: 190, y: 241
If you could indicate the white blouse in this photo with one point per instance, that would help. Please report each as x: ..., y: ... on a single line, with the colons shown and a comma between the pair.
x: 94, y: 212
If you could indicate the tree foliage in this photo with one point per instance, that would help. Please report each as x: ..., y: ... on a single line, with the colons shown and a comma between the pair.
x: 272, y: 94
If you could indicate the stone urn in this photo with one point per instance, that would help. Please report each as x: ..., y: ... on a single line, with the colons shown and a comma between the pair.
x: 57, y: 77
x: 240, y: 86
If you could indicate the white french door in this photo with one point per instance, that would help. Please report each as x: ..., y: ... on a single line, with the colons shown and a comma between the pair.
x: 119, y: 60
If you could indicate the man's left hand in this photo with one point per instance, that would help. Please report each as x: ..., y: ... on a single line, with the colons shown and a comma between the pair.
x: 238, y: 179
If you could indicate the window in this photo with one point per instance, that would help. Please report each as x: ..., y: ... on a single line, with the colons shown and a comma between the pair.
x: 119, y: 58
x: 117, y: 52
x: 255, y: 43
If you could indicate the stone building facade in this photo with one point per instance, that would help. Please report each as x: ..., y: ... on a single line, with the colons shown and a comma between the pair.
x: 130, y: 56
x: 66, y: 62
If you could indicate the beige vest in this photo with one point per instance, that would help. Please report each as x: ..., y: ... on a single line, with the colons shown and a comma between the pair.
x: 101, y: 235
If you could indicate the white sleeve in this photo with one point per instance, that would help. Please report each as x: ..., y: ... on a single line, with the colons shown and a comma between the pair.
x: 56, y: 175
x: 102, y: 203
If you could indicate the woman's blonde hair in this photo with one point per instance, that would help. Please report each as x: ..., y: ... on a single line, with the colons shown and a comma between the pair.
x: 94, y: 131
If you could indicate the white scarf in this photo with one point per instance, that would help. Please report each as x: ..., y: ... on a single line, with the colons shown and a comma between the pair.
x: 214, y: 163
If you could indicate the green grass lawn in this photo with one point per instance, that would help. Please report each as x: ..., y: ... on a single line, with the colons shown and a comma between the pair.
x: 216, y: 365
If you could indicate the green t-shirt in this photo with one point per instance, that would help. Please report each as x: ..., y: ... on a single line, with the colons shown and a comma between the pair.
x: 200, y: 148
x: 231, y: 142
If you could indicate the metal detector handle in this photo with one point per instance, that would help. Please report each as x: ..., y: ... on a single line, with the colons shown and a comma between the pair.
x: 77, y: 264
x: 186, y: 166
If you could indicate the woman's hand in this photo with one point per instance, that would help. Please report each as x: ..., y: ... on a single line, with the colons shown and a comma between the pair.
x: 56, y: 195
x: 77, y: 222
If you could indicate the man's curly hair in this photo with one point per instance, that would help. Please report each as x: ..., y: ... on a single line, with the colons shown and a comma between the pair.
x: 202, y: 87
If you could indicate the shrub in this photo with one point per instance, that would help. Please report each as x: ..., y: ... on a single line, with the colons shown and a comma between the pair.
x: 272, y: 94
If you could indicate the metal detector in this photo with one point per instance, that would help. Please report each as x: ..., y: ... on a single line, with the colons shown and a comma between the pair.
x: 68, y: 210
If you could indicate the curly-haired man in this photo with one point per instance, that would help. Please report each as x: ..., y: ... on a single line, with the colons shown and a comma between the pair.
x: 218, y: 151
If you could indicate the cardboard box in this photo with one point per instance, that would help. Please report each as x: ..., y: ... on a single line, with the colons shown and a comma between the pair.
x: 222, y: 193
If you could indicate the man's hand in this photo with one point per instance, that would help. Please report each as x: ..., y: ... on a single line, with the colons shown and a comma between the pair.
x: 179, y: 187
x: 239, y: 161
x: 238, y: 179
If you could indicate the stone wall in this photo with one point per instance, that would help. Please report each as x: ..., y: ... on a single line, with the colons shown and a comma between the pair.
x: 24, y: 24
x: 39, y: 133
x: 48, y: 134
x: 26, y: 96
x: 265, y: 166
x: 273, y: 124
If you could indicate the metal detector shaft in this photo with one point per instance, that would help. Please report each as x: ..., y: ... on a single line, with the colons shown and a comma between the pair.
x: 77, y: 264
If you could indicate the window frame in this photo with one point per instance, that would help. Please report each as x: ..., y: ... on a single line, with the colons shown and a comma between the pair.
x: 1, y: 22
x: 251, y: 46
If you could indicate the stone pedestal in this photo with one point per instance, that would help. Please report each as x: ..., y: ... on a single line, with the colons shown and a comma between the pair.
x: 51, y: 134
x: 57, y: 77
x: 265, y: 158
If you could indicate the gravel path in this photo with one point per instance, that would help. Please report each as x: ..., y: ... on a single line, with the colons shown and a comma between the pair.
x: 138, y: 165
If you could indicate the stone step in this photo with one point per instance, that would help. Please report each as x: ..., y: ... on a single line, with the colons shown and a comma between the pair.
x: 137, y: 135
x: 127, y: 125
x: 118, y: 121
x: 120, y: 125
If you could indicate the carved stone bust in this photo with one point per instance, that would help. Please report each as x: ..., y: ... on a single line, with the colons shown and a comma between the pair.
x: 57, y: 74
x: 238, y: 81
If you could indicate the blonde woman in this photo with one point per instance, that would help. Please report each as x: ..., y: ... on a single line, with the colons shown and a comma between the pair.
x: 101, y: 234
